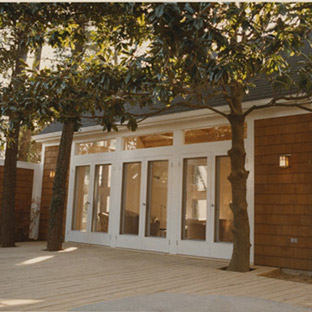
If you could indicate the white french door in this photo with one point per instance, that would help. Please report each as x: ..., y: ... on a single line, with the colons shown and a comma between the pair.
x: 205, y: 216
x: 159, y: 203
x: 220, y: 215
x: 81, y: 198
x: 144, y: 204
x: 90, y: 202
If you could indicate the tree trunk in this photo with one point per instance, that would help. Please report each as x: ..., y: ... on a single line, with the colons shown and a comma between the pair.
x: 59, y: 185
x: 240, y: 260
x: 8, y: 190
x: 7, y: 236
x: 24, y: 144
x: 25, y: 135
x: 59, y: 189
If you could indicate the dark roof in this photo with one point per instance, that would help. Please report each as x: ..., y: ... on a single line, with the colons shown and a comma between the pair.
x: 263, y: 90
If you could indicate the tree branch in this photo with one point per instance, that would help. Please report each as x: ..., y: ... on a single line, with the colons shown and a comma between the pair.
x: 214, y: 109
x: 301, y: 106
x: 227, y: 98
x: 256, y: 107
x: 274, y: 103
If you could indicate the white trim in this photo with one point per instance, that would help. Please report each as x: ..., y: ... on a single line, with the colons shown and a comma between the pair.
x: 176, y: 123
x: 249, y: 165
x: 36, y: 201
x: 22, y: 164
x: 198, y: 115
x: 157, y: 121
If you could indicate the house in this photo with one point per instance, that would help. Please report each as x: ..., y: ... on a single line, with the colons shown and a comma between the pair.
x: 164, y: 187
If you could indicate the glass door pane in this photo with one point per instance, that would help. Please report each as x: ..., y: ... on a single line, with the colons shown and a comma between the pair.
x: 194, y: 201
x: 81, y: 198
x: 130, y: 204
x: 223, y: 212
x: 156, y: 202
x: 101, y: 198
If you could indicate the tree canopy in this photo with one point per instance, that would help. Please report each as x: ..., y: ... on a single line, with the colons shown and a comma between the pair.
x: 89, y: 82
x: 194, y: 51
x: 200, y: 51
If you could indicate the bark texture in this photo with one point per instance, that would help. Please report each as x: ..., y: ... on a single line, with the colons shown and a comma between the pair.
x: 24, y: 146
x: 25, y: 135
x: 240, y: 260
x: 59, y: 188
x: 8, y: 191
x: 7, y: 236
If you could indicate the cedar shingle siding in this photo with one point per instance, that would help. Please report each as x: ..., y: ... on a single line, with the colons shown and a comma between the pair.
x: 24, y: 183
x: 50, y: 158
x: 283, y: 196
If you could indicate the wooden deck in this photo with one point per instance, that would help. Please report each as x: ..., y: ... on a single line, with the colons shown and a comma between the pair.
x: 35, y: 280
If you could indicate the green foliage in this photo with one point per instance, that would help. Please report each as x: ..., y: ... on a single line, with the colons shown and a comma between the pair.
x: 305, y: 76
x: 90, y: 83
x: 88, y: 78
x: 23, y: 28
x: 22, y: 24
x: 199, y: 46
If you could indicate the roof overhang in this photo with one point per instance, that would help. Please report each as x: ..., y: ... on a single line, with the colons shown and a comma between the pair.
x: 192, y: 115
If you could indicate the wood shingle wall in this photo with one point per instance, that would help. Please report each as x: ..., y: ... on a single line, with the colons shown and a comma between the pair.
x: 24, y: 183
x: 283, y: 196
x: 50, y: 158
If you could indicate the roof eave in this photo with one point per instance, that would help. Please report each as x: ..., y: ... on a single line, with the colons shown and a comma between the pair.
x: 155, y: 120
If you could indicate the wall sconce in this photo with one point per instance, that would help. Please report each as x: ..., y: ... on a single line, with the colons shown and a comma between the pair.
x: 52, y: 174
x: 284, y: 161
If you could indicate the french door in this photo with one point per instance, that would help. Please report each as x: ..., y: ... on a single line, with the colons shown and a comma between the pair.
x: 205, y: 214
x: 144, y: 204
x: 155, y: 203
x: 81, y: 198
x: 90, y: 200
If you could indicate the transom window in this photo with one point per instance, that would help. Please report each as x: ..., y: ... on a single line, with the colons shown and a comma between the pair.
x: 148, y: 141
x: 213, y: 134
x: 93, y: 147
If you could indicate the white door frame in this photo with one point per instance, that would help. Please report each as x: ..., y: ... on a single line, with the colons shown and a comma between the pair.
x: 207, y: 247
x: 88, y: 236
x: 140, y: 241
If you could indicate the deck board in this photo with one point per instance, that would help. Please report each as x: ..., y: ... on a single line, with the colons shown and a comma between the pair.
x: 92, y: 274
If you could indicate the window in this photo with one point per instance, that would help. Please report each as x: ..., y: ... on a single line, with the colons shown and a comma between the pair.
x: 223, y: 212
x: 130, y: 203
x: 81, y: 202
x: 94, y: 147
x: 148, y: 141
x: 194, y: 207
x: 156, y: 202
x: 101, y: 198
x: 213, y: 134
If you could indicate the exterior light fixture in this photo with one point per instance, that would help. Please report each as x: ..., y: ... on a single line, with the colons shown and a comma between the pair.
x: 284, y: 161
x: 52, y: 174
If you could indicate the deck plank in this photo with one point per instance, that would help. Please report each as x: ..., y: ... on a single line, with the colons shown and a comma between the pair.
x: 92, y: 274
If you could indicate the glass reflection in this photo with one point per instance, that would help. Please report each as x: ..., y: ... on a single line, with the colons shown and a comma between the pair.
x: 194, y: 207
